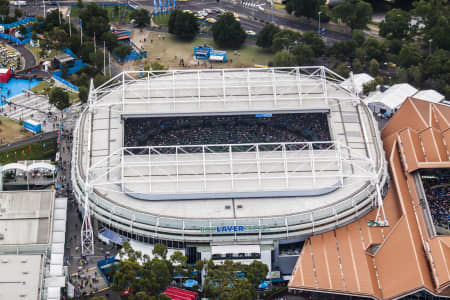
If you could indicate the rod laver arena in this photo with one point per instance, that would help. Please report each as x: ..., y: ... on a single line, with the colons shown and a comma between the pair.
x: 209, y: 158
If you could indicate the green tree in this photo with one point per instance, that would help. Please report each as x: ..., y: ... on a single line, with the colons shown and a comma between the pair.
x: 256, y: 272
x: 355, y: 13
x: 83, y: 94
x: 358, y: 37
x: 342, y: 69
x: 22, y: 30
x: 184, y: 25
x: 303, y: 54
x: 58, y: 38
x: 4, y: 8
x: 121, y: 51
x: 437, y: 65
x: 396, y: 24
x: 374, y: 49
x: 305, y: 8
x: 160, y: 250
x: 141, y: 17
x: 100, y: 79
x: 59, y: 98
x: 264, y: 37
x: 409, y: 55
x: 18, y: 13
x: 228, y: 33
x: 401, y: 75
x: 285, y: 39
x: 179, y: 261
x: 315, y: 41
x: 374, y: 67
x: 357, y: 66
x: 95, y: 20
x: 415, y: 75
x: 52, y: 20
x: 283, y: 59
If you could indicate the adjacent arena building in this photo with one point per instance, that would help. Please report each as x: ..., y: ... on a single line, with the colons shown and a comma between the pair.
x: 166, y: 158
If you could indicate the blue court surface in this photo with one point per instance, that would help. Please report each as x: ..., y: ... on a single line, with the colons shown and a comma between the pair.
x: 15, y: 87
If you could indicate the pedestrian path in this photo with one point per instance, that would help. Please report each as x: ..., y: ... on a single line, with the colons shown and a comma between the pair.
x: 32, y: 106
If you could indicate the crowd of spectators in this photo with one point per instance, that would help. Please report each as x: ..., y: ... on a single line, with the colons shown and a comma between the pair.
x: 438, y: 196
x: 231, y: 129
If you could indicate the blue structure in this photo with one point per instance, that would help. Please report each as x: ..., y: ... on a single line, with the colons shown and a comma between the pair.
x: 209, y: 53
x: 65, y: 82
x: 23, y: 21
x: 105, y: 265
x: 32, y: 126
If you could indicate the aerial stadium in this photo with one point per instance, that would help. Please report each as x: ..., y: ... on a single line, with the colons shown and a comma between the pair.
x: 223, y: 161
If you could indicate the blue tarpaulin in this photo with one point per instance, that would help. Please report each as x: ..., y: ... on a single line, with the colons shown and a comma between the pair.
x: 190, y: 283
x: 263, y: 285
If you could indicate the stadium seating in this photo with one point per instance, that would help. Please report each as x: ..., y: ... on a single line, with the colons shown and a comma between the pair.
x: 226, y: 129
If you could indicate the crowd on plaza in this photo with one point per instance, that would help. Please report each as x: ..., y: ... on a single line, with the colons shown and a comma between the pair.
x: 226, y: 129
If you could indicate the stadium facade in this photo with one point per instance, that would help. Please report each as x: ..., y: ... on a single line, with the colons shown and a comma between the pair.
x: 222, y: 198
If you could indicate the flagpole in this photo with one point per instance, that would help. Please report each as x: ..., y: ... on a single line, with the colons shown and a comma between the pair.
x: 95, y: 45
x: 70, y: 26
x: 109, y: 62
x: 81, y: 27
x: 104, y: 58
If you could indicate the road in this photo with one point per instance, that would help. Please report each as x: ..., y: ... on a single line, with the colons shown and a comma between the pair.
x: 30, y: 140
x: 251, y: 18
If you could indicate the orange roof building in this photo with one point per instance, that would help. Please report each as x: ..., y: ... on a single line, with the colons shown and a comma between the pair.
x: 408, y: 256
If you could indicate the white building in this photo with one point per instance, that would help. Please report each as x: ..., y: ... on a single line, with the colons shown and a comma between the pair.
x: 389, y: 101
x: 430, y: 96
x: 356, y: 82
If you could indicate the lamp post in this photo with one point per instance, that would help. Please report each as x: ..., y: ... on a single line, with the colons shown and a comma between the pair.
x: 319, y: 22
x: 429, y: 46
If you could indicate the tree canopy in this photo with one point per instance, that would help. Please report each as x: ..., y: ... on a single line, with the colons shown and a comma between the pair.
x: 396, y: 24
x: 184, y: 25
x: 228, y: 33
x: 141, y: 17
x: 305, y: 8
x: 94, y: 20
x: 355, y: 13
x: 59, y: 98
x: 264, y: 37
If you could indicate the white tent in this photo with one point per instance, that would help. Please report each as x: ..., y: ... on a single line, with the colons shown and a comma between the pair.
x: 391, y: 99
x: 430, y: 95
x: 356, y: 82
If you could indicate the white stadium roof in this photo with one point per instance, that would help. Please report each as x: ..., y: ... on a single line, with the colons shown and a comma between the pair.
x: 175, y: 192
x: 430, y: 96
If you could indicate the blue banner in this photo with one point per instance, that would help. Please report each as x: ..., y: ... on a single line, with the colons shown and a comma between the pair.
x: 155, y: 8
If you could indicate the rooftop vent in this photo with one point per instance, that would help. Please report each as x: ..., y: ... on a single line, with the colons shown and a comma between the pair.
x: 2, y: 236
x: 227, y: 206
x: 239, y: 206
x: 4, y: 261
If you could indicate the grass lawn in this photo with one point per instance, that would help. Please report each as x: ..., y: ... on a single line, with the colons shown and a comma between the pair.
x: 11, y: 131
x: 113, y: 14
x: 162, y: 20
x: 41, y: 87
x: 42, y: 150
x: 166, y: 50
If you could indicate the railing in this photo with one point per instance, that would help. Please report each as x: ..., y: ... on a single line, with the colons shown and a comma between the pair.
x: 302, y: 224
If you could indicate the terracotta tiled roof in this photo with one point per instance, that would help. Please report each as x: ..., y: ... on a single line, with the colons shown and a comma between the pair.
x: 405, y: 258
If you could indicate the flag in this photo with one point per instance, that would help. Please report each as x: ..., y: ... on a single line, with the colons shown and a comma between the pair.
x: 43, y: 145
x: 164, y: 3
x: 174, y: 3
x: 168, y: 1
x: 160, y: 5
x: 29, y: 148
x: 155, y: 8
